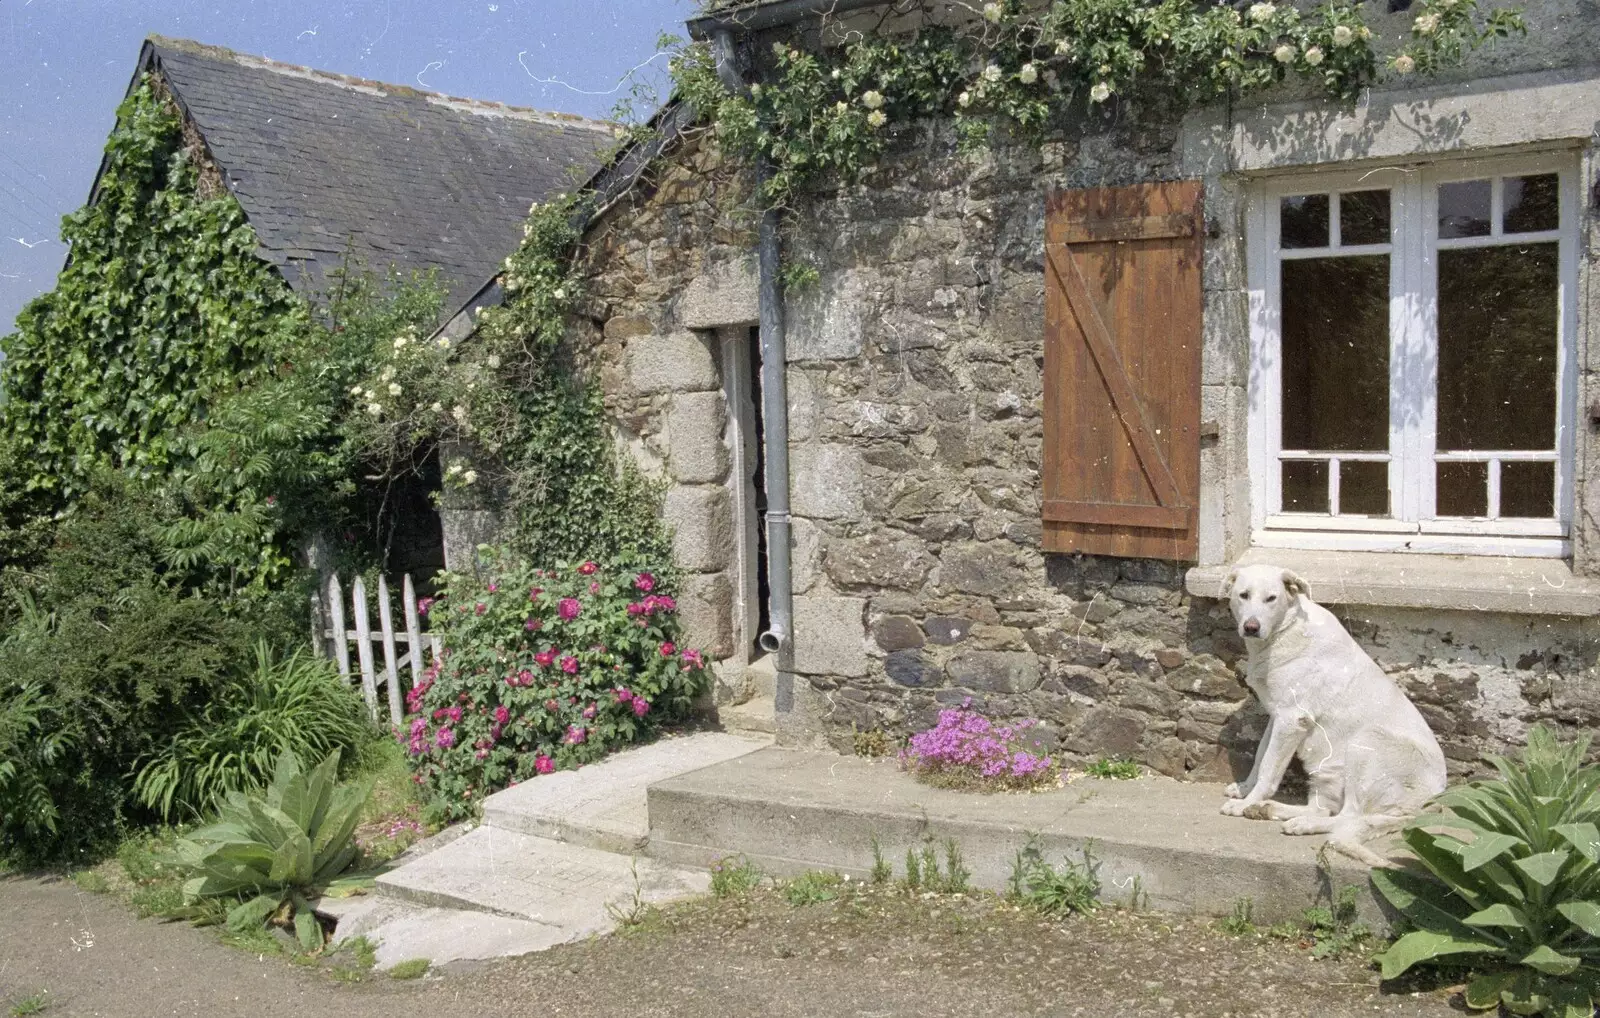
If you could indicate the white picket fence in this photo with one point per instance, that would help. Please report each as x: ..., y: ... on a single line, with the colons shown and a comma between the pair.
x: 419, y: 645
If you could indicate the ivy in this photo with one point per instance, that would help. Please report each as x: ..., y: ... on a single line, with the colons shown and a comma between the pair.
x: 163, y: 308
x: 829, y: 114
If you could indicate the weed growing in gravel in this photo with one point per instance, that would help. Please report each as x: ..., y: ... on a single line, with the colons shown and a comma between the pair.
x: 1241, y: 921
x: 882, y: 870
x: 632, y: 912
x: 734, y: 877
x: 1333, y: 930
x: 29, y: 1005
x: 812, y: 888
x: 922, y: 868
x: 872, y: 742
x: 413, y: 968
x: 913, y: 870
x: 363, y: 952
x: 1118, y: 768
x: 1054, y: 890
x: 956, y: 874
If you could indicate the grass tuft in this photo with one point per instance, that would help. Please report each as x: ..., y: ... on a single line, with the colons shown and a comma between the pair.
x: 413, y: 968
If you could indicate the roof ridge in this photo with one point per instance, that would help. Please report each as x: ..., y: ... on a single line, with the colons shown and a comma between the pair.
x: 481, y: 107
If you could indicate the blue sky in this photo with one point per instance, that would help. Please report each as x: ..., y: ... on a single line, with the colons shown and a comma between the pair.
x: 65, y: 64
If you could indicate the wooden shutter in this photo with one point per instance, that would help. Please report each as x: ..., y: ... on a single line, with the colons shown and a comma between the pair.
x: 1123, y: 307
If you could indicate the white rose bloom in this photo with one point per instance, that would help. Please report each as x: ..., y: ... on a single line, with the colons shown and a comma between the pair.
x: 388, y: 373
x: 1426, y: 24
x: 1404, y: 64
x: 1100, y: 92
x: 437, y: 407
x: 964, y: 100
x: 1314, y: 55
x: 992, y: 11
x: 459, y: 412
x: 400, y: 342
x: 1284, y: 54
x: 356, y: 391
x: 1029, y: 74
x: 561, y: 293
x: 835, y: 74
x: 872, y: 100
x: 1262, y: 13
x: 877, y: 118
x: 494, y: 361
x: 841, y: 107
x: 394, y: 389
x: 1342, y: 36
x: 455, y: 468
x: 374, y: 409
x: 1064, y: 48
x: 443, y: 343
x: 993, y: 73
x: 471, y: 477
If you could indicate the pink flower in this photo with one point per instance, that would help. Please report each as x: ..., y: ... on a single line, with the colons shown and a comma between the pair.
x: 494, y: 588
x: 481, y: 608
x: 641, y: 706
x: 445, y: 739
x: 636, y: 608
x: 552, y: 705
x: 453, y: 713
x: 569, y: 664
x: 534, y: 592
x: 624, y: 695
x: 502, y: 714
x: 588, y: 568
x: 576, y: 734
x: 513, y: 681
x: 668, y: 649
x: 525, y: 677
x: 645, y: 582
x: 423, y: 605
x: 692, y: 658
x: 543, y: 764
x: 594, y: 588
x: 589, y: 712
x: 545, y: 657
x: 569, y: 609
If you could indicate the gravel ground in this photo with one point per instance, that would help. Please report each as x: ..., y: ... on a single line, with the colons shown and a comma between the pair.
x: 870, y: 955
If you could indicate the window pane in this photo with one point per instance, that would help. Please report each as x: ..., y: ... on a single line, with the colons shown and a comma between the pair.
x: 1464, y: 209
x: 1497, y: 348
x: 1462, y: 489
x: 1305, y: 486
x: 1528, y: 489
x: 1336, y: 353
x: 1364, y: 488
x: 1364, y: 217
x: 1304, y: 221
x: 1532, y: 203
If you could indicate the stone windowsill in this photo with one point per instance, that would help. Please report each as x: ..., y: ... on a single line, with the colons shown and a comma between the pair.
x: 1527, y: 586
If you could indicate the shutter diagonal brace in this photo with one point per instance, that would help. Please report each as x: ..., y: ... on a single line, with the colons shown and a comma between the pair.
x: 1130, y: 411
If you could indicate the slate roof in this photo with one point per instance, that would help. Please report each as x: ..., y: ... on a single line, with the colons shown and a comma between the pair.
x: 324, y: 164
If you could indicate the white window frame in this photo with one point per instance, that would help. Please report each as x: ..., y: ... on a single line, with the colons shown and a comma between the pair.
x: 1413, y: 243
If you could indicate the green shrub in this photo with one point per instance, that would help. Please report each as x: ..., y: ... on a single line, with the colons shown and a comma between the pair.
x: 282, y: 847
x: 1513, y: 885
x: 34, y: 743
x: 295, y: 703
x: 545, y: 669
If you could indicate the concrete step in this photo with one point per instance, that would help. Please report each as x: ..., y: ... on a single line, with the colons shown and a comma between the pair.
x: 403, y: 931
x: 755, y: 717
x: 566, y: 890
x: 603, y: 806
x: 762, y: 675
x: 789, y: 811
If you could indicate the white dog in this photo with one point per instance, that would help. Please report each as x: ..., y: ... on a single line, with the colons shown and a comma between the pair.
x: 1372, y: 760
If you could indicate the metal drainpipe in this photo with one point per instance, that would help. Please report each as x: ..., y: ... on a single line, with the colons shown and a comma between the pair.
x: 774, y: 407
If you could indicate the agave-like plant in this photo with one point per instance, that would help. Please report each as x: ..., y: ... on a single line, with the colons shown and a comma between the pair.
x: 1515, y: 883
x: 281, y: 847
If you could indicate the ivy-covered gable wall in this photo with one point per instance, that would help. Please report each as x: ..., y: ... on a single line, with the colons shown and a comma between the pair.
x: 162, y: 308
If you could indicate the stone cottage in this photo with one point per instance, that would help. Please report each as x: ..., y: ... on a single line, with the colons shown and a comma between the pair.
x: 1040, y: 402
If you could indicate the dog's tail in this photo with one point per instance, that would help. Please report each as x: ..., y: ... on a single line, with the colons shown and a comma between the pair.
x: 1350, y: 833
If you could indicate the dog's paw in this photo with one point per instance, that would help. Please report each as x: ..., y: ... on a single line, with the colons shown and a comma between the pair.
x: 1233, y: 791
x: 1234, y: 808
x: 1306, y: 825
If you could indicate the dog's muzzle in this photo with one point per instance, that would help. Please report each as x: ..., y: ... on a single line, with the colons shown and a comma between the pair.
x: 1251, y: 627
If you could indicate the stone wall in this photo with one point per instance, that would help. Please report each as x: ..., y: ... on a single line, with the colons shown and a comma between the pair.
x: 915, y: 383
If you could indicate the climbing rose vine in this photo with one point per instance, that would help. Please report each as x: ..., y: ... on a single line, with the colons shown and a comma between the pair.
x: 544, y: 670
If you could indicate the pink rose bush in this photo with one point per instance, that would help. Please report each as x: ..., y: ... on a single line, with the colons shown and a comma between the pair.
x: 544, y: 670
x: 967, y: 750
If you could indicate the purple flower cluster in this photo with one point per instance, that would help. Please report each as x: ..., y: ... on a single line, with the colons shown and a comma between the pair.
x: 967, y: 745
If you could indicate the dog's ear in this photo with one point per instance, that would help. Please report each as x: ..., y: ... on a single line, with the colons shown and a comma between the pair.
x: 1227, y: 585
x: 1295, y: 585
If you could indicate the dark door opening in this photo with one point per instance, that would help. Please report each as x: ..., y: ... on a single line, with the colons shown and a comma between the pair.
x: 759, y: 483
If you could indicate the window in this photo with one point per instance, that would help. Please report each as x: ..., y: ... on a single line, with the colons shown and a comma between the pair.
x: 1413, y: 373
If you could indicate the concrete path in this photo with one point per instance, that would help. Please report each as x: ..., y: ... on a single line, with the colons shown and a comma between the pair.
x: 556, y: 859
x: 789, y: 810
